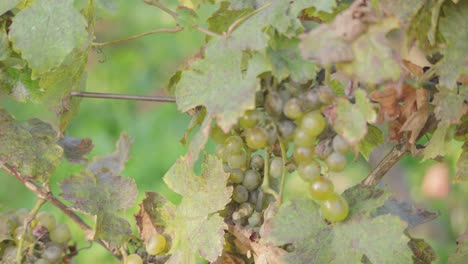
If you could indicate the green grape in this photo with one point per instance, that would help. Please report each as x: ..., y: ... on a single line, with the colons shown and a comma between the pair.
x: 256, y: 138
x: 240, y: 194
x: 311, y: 101
x: 21, y: 214
x: 41, y: 261
x: 340, y: 145
x: 61, y: 234
x: 245, y: 209
x: 255, y: 219
x: 238, y: 161
x: 156, y: 244
x: 18, y: 234
x: 250, y: 119
x: 286, y: 129
x: 46, y: 220
x: 252, y: 180
x: 303, y: 154
x: 303, y: 138
x: 274, y: 103
x: 313, y: 123
x: 220, y: 152
x: 218, y: 135
x: 236, y: 176
x: 233, y: 145
x: 309, y: 171
x: 272, y: 133
x: 257, y: 162
x: 334, y: 208
x: 336, y: 162
x: 293, y: 108
x: 52, y: 252
x: 320, y: 188
x: 9, y: 254
x: 133, y: 259
x: 276, y: 167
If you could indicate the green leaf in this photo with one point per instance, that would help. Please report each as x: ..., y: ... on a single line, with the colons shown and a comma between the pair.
x: 194, y: 225
x: 57, y: 85
x: 47, y: 32
x: 364, y: 200
x: 301, y: 224
x: 422, y: 252
x: 279, y: 14
x: 407, y: 212
x: 186, y: 17
x: 99, y: 190
x: 286, y: 60
x: 374, y: 60
x: 404, y: 10
x: 29, y: 146
x: 4, y: 42
x: 6, y: 5
x: 223, y: 18
x: 75, y: 149
x: 438, y: 145
x: 420, y: 27
x: 455, y: 60
x: 462, y: 165
x: 448, y: 106
x: 350, y: 120
x: 218, y: 83
x: 18, y: 84
x: 461, y: 253
x: 373, y: 138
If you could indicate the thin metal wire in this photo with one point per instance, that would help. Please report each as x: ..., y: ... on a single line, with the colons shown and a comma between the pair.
x: 124, y: 97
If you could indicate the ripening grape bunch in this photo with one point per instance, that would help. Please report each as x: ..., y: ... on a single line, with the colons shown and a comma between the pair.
x: 286, y: 132
x: 44, y: 242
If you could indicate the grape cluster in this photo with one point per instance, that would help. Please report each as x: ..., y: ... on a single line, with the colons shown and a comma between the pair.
x: 44, y: 242
x: 155, y: 245
x: 286, y: 116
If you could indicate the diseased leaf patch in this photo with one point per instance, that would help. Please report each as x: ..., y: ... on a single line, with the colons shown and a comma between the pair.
x: 99, y: 190
x: 75, y: 149
x: 29, y: 146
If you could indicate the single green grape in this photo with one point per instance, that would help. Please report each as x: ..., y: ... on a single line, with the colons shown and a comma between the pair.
x: 340, y: 145
x: 250, y: 119
x: 320, y: 188
x: 311, y: 100
x: 334, y: 208
x: 245, y: 209
x: 236, y: 176
x: 218, y: 135
x: 293, y: 109
x: 61, y: 234
x: 303, y: 154
x: 46, y: 219
x: 252, y: 180
x: 314, y: 123
x: 303, y: 138
x: 52, y: 252
x: 274, y: 103
x: 276, y: 167
x: 255, y: 219
x: 134, y: 259
x: 309, y: 170
x: 257, y: 162
x: 233, y: 145
x: 336, y: 162
x: 286, y: 129
x: 237, y: 161
x: 256, y: 138
x: 156, y: 244
x: 240, y: 194
x: 220, y: 152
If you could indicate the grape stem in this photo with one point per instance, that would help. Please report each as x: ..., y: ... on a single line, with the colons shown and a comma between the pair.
x: 27, y: 221
x: 266, y: 176
x: 158, y: 4
x: 152, y: 32
x: 45, y: 194
x: 283, y: 172
x: 386, y: 164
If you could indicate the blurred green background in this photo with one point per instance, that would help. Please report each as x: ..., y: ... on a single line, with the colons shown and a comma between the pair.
x: 144, y: 66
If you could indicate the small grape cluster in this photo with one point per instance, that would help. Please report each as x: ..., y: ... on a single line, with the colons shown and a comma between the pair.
x: 155, y: 245
x: 287, y: 115
x: 43, y: 242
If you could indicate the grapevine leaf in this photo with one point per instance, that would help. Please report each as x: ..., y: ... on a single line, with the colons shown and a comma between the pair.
x: 373, y: 138
x: 243, y: 4
x: 279, y: 14
x: 7, y: 5
x: 4, y: 42
x: 194, y: 225
x: 57, y: 84
x: 47, y: 32
x: 220, y: 21
x: 448, y: 106
x: 186, y: 17
x: 218, y: 83
x: 155, y: 212
x: 437, y: 146
x: 75, y: 148
x: 19, y: 85
x: 29, y: 146
x: 404, y: 10
x: 374, y: 60
x: 364, y: 200
x: 420, y: 26
x: 407, y: 212
x: 422, y: 252
x: 286, y: 60
x: 461, y: 253
x: 301, y: 224
x: 462, y: 165
x: 365, y: 106
x: 455, y: 62
x: 99, y: 191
